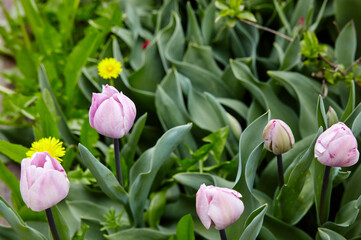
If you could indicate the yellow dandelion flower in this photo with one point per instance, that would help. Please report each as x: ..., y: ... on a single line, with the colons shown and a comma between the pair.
x: 51, y: 145
x: 109, y: 68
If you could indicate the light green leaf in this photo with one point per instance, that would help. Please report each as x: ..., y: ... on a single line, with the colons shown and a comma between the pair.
x: 139, y: 233
x: 13, y: 151
x: 185, y: 228
x: 195, y: 180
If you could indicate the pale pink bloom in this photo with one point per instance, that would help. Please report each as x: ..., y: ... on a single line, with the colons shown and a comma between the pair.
x: 112, y: 113
x: 218, y: 207
x: 337, y: 147
x: 43, y: 181
x: 278, y: 137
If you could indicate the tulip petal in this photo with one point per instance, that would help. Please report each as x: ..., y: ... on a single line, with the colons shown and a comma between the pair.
x: 108, y: 119
x: 202, y: 206
x: 224, y: 209
x: 49, y: 189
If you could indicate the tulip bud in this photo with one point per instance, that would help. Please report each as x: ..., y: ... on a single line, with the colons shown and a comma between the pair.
x: 218, y: 207
x: 43, y: 181
x: 278, y: 137
x: 112, y: 113
x: 331, y: 117
x: 337, y: 147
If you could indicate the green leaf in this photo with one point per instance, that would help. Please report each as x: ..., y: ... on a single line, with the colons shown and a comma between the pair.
x: 283, y: 231
x: 350, y: 103
x: 10, y: 180
x: 346, y: 216
x: 105, y: 178
x: 327, y: 234
x: 356, y: 125
x: 8, y: 233
x: 185, y: 228
x: 208, y: 23
x: 193, y: 31
x: 65, y: 132
x: 254, y: 223
x: 156, y: 208
x: 345, y: 45
x: 129, y: 149
x: 282, y: 16
x: 321, y: 114
x: 195, y: 180
x: 139, y: 233
x: 305, y: 90
x: 61, y: 224
x: 13, y: 151
x: 292, y: 56
x: 296, y: 196
x: 143, y: 172
x: 19, y: 226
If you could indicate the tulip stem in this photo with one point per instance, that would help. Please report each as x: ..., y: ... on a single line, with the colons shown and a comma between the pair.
x: 117, y: 161
x: 281, y: 180
x: 223, y: 235
x: 52, y: 225
x: 326, y: 177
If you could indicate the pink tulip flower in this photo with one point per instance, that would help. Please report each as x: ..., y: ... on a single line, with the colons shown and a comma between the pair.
x: 337, y: 147
x: 43, y: 181
x: 112, y: 113
x: 218, y: 207
x: 278, y: 137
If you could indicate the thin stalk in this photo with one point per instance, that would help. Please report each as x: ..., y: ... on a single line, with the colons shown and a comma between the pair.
x: 265, y: 29
x: 326, y: 177
x: 117, y: 161
x: 52, y: 225
x: 223, y: 235
x: 281, y: 180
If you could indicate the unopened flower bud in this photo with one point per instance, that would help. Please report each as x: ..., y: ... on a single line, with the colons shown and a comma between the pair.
x: 278, y: 137
x: 331, y: 117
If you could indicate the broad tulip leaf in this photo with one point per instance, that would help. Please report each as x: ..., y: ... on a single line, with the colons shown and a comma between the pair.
x: 61, y: 223
x: 195, y: 180
x: 8, y: 233
x: 185, y: 228
x: 265, y: 96
x: 19, y: 226
x: 321, y: 113
x: 356, y: 125
x: 346, y: 44
x: 303, y: 89
x: 283, y: 231
x: 129, y: 149
x: 139, y: 233
x: 327, y: 234
x: 249, y: 145
x: 145, y: 169
x: 193, y: 31
x: 292, y: 56
x: 254, y: 223
x: 105, y: 178
x: 350, y: 104
x: 156, y: 209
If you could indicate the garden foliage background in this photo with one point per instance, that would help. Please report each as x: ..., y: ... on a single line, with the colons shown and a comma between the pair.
x: 204, y: 90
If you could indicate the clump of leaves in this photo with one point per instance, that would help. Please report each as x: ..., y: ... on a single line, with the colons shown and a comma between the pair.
x: 316, y: 56
x: 233, y: 10
x: 113, y: 221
